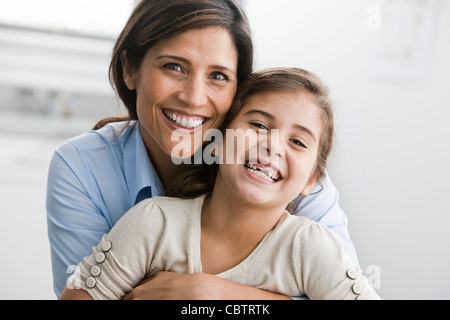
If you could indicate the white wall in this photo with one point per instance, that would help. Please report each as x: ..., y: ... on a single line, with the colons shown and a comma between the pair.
x: 52, y: 87
x: 390, y: 163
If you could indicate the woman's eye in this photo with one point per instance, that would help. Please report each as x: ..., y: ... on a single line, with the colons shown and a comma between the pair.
x: 174, y: 67
x: 259, y: 126
x: 218, y: 76
x: 298, y: 143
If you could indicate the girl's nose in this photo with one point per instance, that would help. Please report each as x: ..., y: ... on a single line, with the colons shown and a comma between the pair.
x: 273, y: 144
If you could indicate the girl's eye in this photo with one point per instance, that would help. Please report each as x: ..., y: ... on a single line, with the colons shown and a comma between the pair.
x: 219, y: 76
x: 259, y: 126
x: 298, y: 143
x: 174, y: 67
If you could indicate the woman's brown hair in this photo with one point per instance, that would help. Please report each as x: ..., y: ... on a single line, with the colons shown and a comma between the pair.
x: 200, y: 180
x: 154, y: 20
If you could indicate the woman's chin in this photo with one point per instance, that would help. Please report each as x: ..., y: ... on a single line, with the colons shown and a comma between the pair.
x: 182, y: 151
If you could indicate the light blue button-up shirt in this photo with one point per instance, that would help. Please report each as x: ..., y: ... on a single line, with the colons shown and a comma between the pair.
x: 96, y: 177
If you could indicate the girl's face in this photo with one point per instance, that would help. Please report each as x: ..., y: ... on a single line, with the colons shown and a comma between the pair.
x: 275, y: 166
x: 186, y: 82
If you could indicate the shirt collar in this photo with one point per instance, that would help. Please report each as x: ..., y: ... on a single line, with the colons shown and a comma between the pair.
x: 142, y: 179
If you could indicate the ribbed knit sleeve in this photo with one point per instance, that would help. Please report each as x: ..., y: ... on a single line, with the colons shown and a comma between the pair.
x: 123, y: 257
x: 324, y: 271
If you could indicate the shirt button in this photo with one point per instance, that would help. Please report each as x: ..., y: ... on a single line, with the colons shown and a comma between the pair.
x: 106, y: 245
x: 357, y: 289
x: 95, y: 271
x: 100, y: 257
x: 91, y: 282
x: 352, y: 274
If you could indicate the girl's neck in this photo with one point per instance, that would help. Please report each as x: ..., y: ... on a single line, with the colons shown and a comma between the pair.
x: 238, y: 220
x: 232, y: 228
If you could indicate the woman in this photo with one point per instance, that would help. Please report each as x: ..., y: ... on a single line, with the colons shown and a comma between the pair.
x: 176, y: 65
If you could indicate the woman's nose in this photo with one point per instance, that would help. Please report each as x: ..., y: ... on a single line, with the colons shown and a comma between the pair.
x: 193, y: 93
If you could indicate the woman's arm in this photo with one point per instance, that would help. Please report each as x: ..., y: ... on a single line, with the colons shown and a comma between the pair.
x: 74, y: 222
x: 197, y: 286
x: 74, y: 294
x: 175, y: 286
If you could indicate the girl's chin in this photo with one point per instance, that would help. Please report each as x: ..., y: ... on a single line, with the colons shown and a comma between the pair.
x: 253, y: 196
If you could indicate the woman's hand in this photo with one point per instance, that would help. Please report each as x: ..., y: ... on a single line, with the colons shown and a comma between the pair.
x: 198, y: 286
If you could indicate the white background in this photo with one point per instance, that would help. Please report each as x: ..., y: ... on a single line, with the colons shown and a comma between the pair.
x: 390, y: 85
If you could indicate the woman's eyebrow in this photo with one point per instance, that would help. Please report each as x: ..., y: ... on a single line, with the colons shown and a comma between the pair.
x: 174, y: 58
x: 186, y: 61
x: 271, y: 117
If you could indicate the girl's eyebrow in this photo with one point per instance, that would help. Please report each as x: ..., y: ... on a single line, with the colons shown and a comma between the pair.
x: 305, y: 129
x: 263, y: 113
x: 271, y: 117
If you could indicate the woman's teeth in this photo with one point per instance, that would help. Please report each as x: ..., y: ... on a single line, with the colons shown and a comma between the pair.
x: 261, y: 174
x: 184, y: 122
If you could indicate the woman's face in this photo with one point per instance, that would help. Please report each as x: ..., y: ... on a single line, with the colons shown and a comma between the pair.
x: 185, y: 83
x: 276, y: 163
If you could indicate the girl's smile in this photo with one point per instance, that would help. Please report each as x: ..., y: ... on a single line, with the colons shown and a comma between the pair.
x: 263, y: 171
x: 281, y: 149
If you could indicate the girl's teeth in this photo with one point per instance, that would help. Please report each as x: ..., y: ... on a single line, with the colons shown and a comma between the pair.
x: 187, y: 123
x: 260, y: 173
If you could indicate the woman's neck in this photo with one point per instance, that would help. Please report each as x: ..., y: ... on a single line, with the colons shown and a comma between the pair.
x: 162, y: 163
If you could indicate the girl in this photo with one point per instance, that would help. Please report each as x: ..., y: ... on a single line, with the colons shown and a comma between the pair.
x: 176, y: 65
x: 232, y: 222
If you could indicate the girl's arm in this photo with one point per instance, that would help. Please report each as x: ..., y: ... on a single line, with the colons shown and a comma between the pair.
x: 121, y: 259
x: 322, y: 206
x: 324, y: 270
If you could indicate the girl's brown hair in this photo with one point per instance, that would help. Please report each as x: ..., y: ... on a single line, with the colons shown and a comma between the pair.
x: 154, y: 20
x: 200, y: 180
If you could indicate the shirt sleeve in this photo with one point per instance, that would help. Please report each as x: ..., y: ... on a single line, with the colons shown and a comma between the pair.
x: 324, y: 271
x: 322, y: 206
x: 124, y: 256
x: 75, y: 224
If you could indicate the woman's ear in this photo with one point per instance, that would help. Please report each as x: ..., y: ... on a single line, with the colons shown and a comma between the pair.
x: 128, y: 75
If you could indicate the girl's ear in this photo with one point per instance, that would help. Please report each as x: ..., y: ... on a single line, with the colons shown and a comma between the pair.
x: 309, y: 186
x: 128, y: 75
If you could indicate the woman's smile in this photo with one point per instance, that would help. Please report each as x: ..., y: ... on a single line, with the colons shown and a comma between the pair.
x: 183, y: 120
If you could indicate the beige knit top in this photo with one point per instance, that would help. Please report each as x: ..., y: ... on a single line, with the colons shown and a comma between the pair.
x: 298, y: 257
